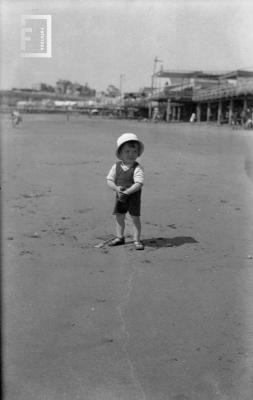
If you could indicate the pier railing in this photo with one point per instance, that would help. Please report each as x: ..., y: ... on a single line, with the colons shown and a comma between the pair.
x: 224, y: 90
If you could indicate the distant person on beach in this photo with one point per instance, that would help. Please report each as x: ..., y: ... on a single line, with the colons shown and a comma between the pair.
x: 126, y: 178
x: 16, y: 118
x: 243, y: 116
x: 234, y: 119
x: 68, y: 110
x: 193, y: 117
x: 156, y: 115
x: 249, y: 120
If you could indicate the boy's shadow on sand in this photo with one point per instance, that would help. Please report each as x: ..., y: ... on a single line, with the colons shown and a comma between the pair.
x: 168, y: 242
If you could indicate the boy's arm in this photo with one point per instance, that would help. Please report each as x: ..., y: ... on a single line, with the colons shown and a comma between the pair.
x: 138, y: 181
x: 110, y: 179
x: 134, y: 188
x: 113, y: 186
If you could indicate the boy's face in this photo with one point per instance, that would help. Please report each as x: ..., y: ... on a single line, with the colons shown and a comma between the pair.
x: 129, y: 152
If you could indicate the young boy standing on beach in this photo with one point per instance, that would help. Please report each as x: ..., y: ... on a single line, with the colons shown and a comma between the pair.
x: 126, y: 178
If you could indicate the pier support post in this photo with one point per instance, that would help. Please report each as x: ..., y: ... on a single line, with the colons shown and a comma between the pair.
x: 230, y: 111
x: 168, y: 110
x: 245, y: 103
x: 173, y: 113
x: 219, y: 112
x: 208, y: 114
x: 198, y: 112
x: 178, y: 113
x: 149, y: 110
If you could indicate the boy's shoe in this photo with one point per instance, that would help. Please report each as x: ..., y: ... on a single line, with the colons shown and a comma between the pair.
x: 117, y: 241
x: 139, y: 246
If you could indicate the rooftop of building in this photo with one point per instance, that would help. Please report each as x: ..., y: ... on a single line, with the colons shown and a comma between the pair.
x: 216, y: 75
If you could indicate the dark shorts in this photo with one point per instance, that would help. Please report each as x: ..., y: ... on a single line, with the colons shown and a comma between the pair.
x: 133, y: 205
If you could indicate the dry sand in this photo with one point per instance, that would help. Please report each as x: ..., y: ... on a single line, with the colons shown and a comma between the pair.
x: 172, y: 322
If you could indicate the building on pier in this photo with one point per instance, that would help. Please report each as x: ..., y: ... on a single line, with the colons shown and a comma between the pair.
x: 211, y: 96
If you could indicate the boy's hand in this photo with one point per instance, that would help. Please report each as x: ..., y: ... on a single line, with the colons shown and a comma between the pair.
x: 119, y: 189
x: 122, y: 197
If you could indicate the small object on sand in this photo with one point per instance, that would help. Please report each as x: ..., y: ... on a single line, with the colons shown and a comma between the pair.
x: 139, y: 245
x: 250, y: 257
x: 118, y: 241
x: 99, y: 245
x: 34, y: 235
x: 103, y: 243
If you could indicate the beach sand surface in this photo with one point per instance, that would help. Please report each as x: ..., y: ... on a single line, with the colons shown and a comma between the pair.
x: 172, y: 322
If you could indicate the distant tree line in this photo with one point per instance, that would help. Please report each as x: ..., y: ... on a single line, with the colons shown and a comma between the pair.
x: 68, y: 88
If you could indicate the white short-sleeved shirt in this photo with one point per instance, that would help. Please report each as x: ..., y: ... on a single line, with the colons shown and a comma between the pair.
x: 138, y: 173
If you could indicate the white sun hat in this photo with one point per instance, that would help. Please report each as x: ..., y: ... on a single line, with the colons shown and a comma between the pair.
x: 128, y: 137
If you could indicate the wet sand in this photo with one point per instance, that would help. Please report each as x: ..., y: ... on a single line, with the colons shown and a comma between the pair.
x: 172, y: 322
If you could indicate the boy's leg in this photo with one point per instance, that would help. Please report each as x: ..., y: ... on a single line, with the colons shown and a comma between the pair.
x: 120, y: 225
x: 136, y: 228
x: 120, y: 228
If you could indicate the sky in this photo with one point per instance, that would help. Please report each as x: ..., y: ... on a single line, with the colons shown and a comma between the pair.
x: 97, y: 42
